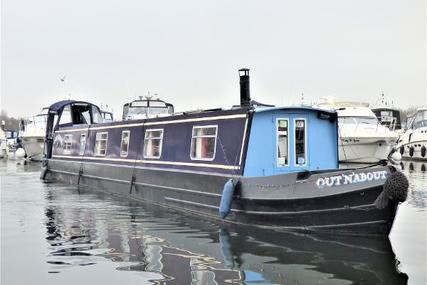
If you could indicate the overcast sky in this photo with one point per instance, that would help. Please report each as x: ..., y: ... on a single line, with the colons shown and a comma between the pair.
x: 112, y: 51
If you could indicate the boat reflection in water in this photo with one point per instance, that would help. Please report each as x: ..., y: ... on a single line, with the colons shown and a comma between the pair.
x: 416, y: 170
x: 413, y: 165
x: 169, y: 248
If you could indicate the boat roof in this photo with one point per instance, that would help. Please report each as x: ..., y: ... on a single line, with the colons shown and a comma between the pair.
x: 421, y: 109
x: 333, y: 102
x: 385, y: 109
x: 286, y: 108
x: 59, y: 105
x: 148, y: 103
x: 355, y: 112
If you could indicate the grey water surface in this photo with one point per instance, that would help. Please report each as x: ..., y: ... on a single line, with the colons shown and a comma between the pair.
x: 58, y: 234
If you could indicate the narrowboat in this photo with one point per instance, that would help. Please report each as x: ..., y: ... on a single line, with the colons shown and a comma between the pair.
x: 274, y: 167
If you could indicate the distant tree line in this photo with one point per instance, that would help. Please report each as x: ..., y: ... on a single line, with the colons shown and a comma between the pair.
x: 11, y: 123
x: 404, y: 113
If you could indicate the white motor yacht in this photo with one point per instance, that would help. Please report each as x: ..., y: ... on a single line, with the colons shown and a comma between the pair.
x: 413, y: 143
x: 31, y: 136
x: 11, y: 143
x: 362, y: 138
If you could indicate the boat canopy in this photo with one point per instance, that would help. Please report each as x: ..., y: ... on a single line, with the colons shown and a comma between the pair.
x: 296, y: 107
x: 389, y: 117
x: 68, y: 113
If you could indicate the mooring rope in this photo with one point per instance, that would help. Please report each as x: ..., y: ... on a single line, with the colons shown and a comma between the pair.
x: 133, y: 178
x: 343, y: 149
x: 225, y: 156
x: 82, y: 155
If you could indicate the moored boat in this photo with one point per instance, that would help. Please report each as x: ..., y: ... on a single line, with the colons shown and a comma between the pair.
x: 11, y: 143
x: 389, y: 117
x: 31, y: 136
x: 413, y: 143
x: 278, y: 166
x: 3, y: 143
x: 362, y: 138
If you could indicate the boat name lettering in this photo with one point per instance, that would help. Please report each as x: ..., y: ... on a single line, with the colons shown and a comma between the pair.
x: 352, y: 178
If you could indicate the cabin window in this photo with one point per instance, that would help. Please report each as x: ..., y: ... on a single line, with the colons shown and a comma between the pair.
x: 153, y: 143
x: 66, y: 116
x: 203, y: 143
x: 96, y: 115
x: 85, y: 117
x: 300, y: 142
x: 101, y: 143
x: 124, y: 146
x: 68, y: 143
x: 82, y: 144
x: 282, y: 142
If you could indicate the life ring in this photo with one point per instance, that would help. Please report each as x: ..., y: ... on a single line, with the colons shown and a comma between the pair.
x: 423, y: 151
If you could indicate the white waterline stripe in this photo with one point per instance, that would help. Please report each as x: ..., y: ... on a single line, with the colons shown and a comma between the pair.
x: 156, y: 123
x: 190, y: 203
x: 71, y: 130
x: 177, y: 189
x: 151, y: 168
x: 138, y: 183
x: 94, y: 158
x: 197, y: 119
x: 221, y: 166
x: 348, y: 224
x: 354, y: 208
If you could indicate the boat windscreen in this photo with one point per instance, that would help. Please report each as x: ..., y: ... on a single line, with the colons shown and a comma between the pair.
x: 137, y: 111
x: 357, y: 120
x: 159, y: 110
x: 40, y: 119
x: 142, y: 112
x: 420, y: 119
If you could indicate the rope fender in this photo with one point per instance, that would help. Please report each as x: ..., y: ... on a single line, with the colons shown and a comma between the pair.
x: 395, y: 189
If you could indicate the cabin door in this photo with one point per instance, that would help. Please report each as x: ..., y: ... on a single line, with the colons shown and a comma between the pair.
x: 290, y: 142
x: 300, y: 141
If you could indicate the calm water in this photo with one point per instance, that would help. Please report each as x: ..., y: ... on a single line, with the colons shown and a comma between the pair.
x: 55, y: 234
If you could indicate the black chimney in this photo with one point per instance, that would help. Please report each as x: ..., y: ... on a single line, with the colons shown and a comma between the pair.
x: 245, y: 96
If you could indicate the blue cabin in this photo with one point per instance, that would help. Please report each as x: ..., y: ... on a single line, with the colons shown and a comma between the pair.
x: 292, y: 139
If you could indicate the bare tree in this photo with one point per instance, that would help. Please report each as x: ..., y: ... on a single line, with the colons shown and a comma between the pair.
x: 11, y: 123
